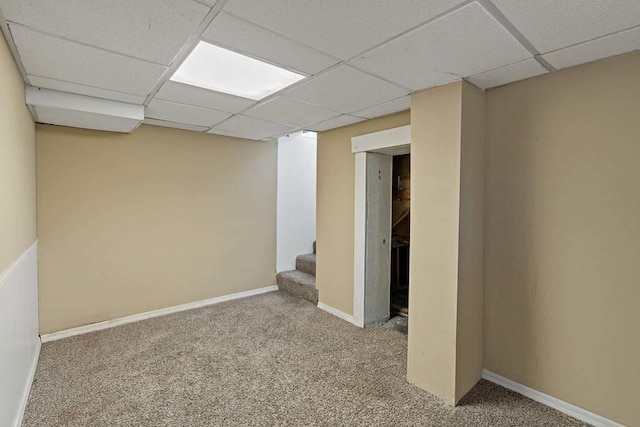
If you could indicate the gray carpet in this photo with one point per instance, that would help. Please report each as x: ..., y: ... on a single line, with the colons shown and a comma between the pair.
x: 269, y: 360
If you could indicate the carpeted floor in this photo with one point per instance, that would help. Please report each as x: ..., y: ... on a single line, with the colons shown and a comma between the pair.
x: 268, y: 360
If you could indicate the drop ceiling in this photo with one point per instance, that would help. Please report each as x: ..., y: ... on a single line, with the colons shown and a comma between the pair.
x: 360, y: 58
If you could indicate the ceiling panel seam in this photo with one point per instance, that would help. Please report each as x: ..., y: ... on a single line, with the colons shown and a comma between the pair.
x: 635, y: 27
x: 204, y: 3
x: 4, y: 26
x: 319, y: 74
x: 187, y: 47
x: 493, y: 10
x: 346, y: 61
x: 258, y: 58
x: 414, y: 28
x: 298, y: 42
x: 82, y: 84
x: 17, y: 24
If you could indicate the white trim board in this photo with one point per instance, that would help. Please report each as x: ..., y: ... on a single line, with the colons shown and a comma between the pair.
x: 7, y: 271
x: 382, y: 141
x: 360, y: 233
x: 553, y: 402
x: 27, y: 390
x: 151, y: 314
x: 334, y: 311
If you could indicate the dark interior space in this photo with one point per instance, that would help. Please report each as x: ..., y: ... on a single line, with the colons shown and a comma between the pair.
x: 400, y: 233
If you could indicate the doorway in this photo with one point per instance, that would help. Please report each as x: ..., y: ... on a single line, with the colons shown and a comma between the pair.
x: 400, y: 241
x: 375, y: 188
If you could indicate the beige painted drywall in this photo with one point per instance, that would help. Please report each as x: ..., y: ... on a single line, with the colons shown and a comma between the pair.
x: 433, y: 262
x: 562, y: 235
x: 135, y: 222
x: 469, y: 343
x: 17, y: 164
x: 335, y: 209
x: 445, y: 294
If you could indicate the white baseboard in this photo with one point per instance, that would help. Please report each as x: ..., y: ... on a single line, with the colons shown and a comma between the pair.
x: 27, y: 390
x: 150, y: 314
x: 344, y: 316
x: 555, y: 403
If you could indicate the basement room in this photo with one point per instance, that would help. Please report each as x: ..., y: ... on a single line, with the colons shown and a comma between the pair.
x: 319, y: 213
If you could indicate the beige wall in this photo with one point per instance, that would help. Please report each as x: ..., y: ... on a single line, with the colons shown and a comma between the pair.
x: 445, y: 300
x: 17, y: 164
x: 469, y: 340
x: 562, y: 235
x: 135, y: 222
x: 335, y: 209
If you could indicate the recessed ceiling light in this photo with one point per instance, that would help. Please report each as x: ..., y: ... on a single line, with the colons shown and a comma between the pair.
x: 222, y: 70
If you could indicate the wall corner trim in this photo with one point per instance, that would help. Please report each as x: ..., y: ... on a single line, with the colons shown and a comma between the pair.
x: 27, y: 389
x: 342, y: 315
x: 553, y: 402
x: 151, y: 314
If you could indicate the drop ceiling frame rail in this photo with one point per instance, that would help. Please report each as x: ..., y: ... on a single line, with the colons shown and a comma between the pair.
x: 218, y: 7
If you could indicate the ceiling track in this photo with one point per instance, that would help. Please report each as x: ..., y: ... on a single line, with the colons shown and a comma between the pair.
x: 195, y: 37
x: 340, y: 63
x: 493, y: 10
x: 4, y: 26
x: 186, y: 49
x: 487, y: 5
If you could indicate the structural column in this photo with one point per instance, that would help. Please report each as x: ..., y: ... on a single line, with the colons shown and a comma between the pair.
x: 446, y: 277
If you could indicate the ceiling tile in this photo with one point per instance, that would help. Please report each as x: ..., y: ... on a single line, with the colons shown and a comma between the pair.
x: 180, y: 113
x: 147, y: 29
x: 551, y: 25
x: 47, y: 56
x: 192, y: 95
x: 390, y: 107
x: 615, y: 44
x: 250, y: 128
x: 174, y: 125
x: 229, y: 31
x: 85, y: 119
x: 466, y: 42
x: 337, y: 122
x: 508, y: 74
x: 46, y: 83
x: 346, y: 89
x: 338, y: 27
x: 289, y: 111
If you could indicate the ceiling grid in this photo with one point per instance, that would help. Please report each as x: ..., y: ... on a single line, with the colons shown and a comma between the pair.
x: 361, y: 59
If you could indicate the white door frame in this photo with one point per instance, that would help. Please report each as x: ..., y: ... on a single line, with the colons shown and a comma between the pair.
x: 391, y: 142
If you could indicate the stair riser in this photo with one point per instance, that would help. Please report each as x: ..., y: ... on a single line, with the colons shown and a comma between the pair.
x: 300, y: 291
x: 307, y: 266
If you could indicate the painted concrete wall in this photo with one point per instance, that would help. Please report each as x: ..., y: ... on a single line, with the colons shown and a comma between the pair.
x: 130, y: 223
x: 336, y: 209
x: 562, y: 235
x: 296, y: 230
x: 19, y: 342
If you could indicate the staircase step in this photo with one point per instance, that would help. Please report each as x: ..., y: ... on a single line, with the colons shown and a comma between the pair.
x: 306, y: 263
x: 298, y: 284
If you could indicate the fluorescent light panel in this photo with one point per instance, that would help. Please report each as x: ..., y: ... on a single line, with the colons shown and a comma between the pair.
x: 222, y: 70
